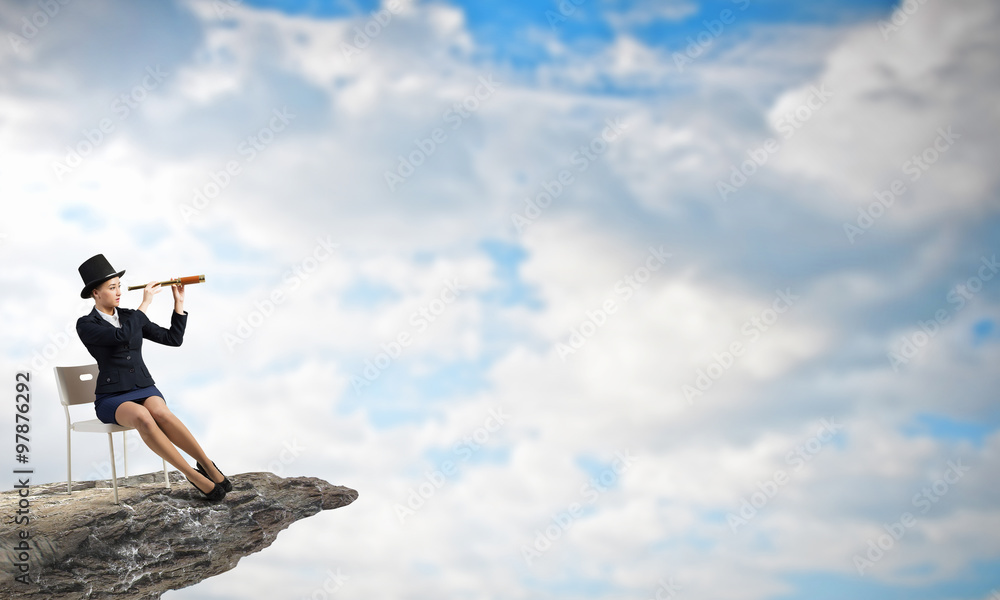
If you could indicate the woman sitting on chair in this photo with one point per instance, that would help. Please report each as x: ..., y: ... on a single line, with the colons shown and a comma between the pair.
x: 125, y: 391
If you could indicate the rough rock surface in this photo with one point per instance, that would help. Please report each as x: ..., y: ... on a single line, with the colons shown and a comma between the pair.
x: 157, y: 539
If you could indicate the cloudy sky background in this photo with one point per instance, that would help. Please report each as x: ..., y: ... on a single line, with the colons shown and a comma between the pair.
x: 727, y: 341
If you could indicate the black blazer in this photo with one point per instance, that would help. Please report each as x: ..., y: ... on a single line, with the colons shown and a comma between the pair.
x: 118, y: 350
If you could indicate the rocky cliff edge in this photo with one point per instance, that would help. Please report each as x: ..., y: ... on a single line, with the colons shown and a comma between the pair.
x: 82, y: 545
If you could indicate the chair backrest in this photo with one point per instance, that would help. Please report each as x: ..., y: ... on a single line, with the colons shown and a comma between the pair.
x: 76, y: 384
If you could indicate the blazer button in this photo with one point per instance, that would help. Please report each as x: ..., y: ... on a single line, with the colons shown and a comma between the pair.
x: 131, y: 370
x: 129, y: 357
x: 108, y: 380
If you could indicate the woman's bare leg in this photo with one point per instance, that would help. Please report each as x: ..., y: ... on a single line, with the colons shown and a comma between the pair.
x: 131, y: 414
x: 179, y: 434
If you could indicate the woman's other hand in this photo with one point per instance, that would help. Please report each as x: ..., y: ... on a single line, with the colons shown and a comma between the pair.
x: 178, y: 291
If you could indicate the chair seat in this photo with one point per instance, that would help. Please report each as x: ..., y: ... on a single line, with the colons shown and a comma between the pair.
x: 97, y: 426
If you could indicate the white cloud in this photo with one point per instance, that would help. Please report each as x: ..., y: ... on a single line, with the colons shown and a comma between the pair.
x: 645, y: 12
x: 897, y: 96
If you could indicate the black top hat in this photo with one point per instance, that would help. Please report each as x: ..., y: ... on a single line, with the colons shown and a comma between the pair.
x: 95, y: 271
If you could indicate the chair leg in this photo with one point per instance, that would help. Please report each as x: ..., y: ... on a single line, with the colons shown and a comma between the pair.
x: 114, y: 473
x: 69, y: 462
x: 125, y: 450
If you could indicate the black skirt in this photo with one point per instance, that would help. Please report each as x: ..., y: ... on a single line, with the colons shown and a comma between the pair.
x: 106, y: 404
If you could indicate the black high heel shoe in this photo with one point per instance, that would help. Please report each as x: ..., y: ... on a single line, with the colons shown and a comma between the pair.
x: 226, y: 484
x: 217, y: 493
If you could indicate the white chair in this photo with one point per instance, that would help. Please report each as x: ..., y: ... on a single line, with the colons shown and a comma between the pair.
x: 76, y: 386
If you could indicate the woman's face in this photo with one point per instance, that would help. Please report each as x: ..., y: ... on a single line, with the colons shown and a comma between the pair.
x: 109, y: 293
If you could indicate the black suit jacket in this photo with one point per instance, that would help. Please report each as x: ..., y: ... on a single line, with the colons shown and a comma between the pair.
x: 118, y: 350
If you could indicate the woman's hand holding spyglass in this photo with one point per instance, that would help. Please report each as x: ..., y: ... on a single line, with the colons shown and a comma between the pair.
x: 152, y: 288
